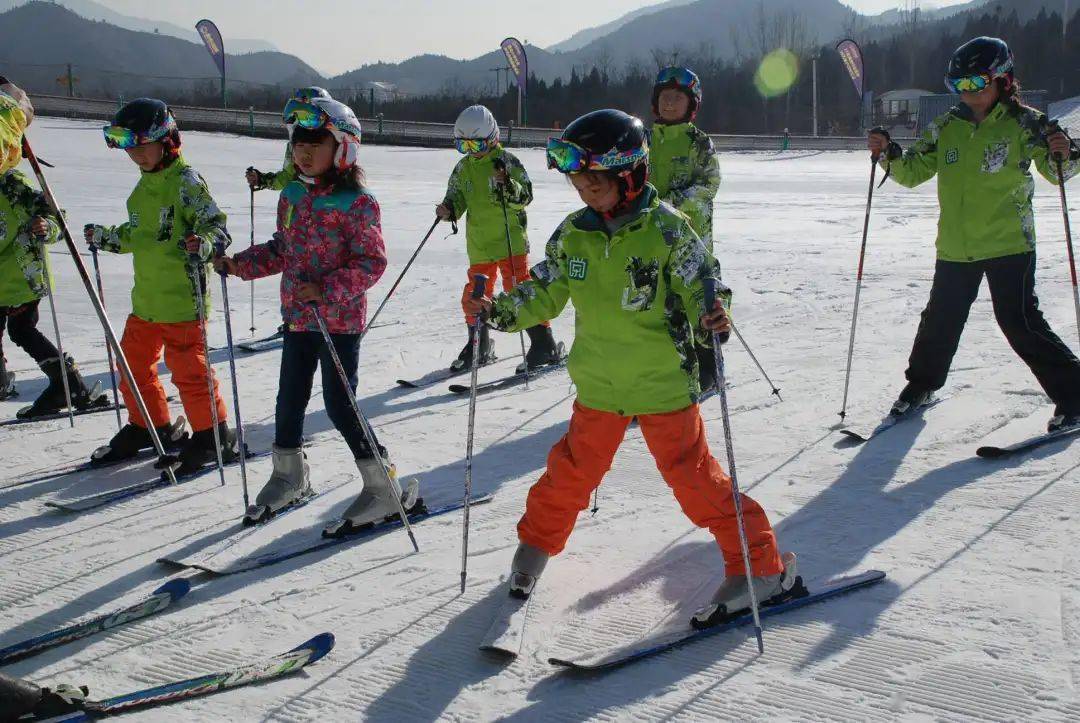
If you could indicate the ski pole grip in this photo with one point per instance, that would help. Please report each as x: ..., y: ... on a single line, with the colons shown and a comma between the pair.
x: 710, y: 294
x: 479, y: 285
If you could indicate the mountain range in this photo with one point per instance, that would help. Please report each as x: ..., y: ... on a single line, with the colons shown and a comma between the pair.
x: 111, y: 51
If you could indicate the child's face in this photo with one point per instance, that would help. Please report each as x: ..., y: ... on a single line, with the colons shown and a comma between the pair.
x: 983, y: 100
x: 673, y: 105
x: 148, y: 156
x: 315, y: 159
x: 599, y: 191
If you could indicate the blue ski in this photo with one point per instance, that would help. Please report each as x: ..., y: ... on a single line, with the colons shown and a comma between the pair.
x: 511, y: 381
x: 668, y: 639
x: 257, y: 671
x: 82, y: 504
x: 308, y: 545
x: 154, y: 603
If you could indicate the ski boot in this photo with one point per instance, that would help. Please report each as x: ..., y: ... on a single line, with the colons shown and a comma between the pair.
x: 132, y: 438
x: 543, y: 349
x: 375, y: 502
x: 289, y: 483
x: 199, y: 451
x: 732, y: 598
x: 525, y: 570
x: 53, y: 400
x: 7, y: 381
x: 487, y: 351
x: 911, y: 398
x: 1064, y: 418
x: 23, y: 698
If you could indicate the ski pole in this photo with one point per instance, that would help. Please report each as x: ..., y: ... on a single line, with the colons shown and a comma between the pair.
x: 479, y: 285
x: 858, y: 285
x: 1068, y: 239
x: 718, y: 357
x: 198, y: 275
x: 108, y: 349
x: 56, y: 331
x: 595, y: 502
x: 775, y: 389
x: 500, y: 165
x: 251, y: 244
x: 232, y: 373
x: 99, y: 309
x: 362, y: 421
x: 371, y: 321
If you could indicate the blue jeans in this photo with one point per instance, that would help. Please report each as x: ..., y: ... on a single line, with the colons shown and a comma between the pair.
x: 301, y: 353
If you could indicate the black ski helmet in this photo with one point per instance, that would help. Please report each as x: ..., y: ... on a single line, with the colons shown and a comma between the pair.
x: 682, y: 79
x: 621, y: 139
x: 979, y: 56
x: 151, y: 118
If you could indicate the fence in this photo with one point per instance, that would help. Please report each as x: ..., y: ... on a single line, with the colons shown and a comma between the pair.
x: 396, y: 132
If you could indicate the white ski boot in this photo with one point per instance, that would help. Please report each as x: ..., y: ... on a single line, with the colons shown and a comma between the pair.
x: 529, y: 562
x: 375, y: 503
x: 289, y: 483
x: 732, y: 598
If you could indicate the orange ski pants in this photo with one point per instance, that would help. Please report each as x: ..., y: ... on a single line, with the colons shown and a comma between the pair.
x: 515, y: 267
x: 185, y: 357
x: 579, y: 461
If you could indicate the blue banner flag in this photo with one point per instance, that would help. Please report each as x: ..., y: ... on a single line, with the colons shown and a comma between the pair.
x: 211, y: 37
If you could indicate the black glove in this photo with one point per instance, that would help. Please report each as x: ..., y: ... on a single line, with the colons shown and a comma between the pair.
x: 893, y: 150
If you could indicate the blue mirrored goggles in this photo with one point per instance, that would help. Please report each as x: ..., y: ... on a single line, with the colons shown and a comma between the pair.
x: 682, y: 77
x: 305, y: 115
x: 473, y: 145
x: 969, y: 83
x: 125, y: 138
x: 569, y: 157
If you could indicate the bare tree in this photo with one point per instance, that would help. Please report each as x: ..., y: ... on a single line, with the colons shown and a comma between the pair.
x: 910, y: 24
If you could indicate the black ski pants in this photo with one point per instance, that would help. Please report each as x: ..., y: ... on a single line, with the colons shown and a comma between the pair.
x: 301, y: 353
x: 1016, y: 308
x: 21, y: 322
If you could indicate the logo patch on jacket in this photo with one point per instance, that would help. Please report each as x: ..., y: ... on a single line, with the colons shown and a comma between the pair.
x: 577, y: 267
x: 952, y: 156
x: 641, y: 287
x: 995, y: 157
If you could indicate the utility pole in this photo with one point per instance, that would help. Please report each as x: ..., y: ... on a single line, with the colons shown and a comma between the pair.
x: 814, y: 124
x: 1064, y: 46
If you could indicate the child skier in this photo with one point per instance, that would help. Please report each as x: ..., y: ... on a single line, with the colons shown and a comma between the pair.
x: 26, y: 225
x: 682, y: 161
x: 329, y: 250
x: 171, y: 216
x: 492, y: 187
x: 277, y: 180
x: 634, y: 269
x: 981, y: 151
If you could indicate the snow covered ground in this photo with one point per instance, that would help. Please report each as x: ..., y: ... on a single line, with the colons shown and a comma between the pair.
x: 979, y: 618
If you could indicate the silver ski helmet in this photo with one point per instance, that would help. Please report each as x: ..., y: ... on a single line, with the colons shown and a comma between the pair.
x: 475, y: 130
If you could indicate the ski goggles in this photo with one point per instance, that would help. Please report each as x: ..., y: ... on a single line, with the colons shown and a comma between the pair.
x: 568, y: 157
x: 682, y: 77
x: 305, y: 115
x: 969, y: 83
x: 124, y: 138
x: 473, y: 145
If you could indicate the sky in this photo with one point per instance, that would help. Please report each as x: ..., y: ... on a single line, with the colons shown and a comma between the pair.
x: 335, y: 36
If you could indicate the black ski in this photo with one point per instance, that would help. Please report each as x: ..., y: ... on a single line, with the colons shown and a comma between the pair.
x: 1027, y: 445
x: 508, y: 382
x: 59, y: 415
x: 890, y: 421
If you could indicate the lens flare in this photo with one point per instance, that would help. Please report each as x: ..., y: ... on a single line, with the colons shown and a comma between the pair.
x: 777, y: 73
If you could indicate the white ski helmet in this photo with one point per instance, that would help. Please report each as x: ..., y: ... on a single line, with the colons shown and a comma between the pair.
x: 333, y: 115
x: 477, y: 123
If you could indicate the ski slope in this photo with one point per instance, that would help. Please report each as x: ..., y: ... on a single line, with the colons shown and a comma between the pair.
x: 979, y: 618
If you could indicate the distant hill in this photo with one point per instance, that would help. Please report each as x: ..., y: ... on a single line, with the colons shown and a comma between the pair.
x: 96, y: 11
x: 583, y: 37
x: 38, y: 38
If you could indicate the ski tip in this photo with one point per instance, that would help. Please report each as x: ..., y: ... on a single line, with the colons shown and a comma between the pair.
x: 853, y: 436
x: 991, y: 452
x: 319, y: 646
x: 178, y: 587
x: 407, y: 384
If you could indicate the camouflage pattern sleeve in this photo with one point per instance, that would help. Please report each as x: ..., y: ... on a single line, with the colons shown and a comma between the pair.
x: 917, y: 164
x: 455, y: 194
x: 1033, y: 127
x: 520, y: 191
x: 705, y: 179
x: 542, y: 297
x: 690, y: 263
x: 202, y: 214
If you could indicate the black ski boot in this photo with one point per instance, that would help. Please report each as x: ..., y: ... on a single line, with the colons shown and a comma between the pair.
x: 53, y: 400
x: 199, y: 450
x: 132, y: 438
x: 1064, y: 418
x: 7, y: 381
x: 912, y: 397
x: 487, y: 350
x: 20, y: 697
x: 543, y: 349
